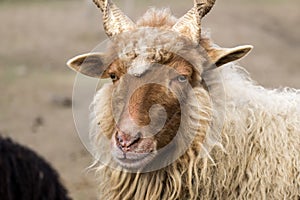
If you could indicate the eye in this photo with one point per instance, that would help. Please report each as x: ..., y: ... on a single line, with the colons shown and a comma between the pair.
x: 182, y: 78
x: 113, y: 77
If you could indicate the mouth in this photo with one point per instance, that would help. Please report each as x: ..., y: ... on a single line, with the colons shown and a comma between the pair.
x: 133, y: 161
x: 135, y: 158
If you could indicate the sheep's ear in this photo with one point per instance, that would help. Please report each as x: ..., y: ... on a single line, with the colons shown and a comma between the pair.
x: 90, y: 64
x: 221, y: 56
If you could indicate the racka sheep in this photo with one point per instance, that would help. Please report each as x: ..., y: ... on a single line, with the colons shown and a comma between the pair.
x: 24, y: 175
x: 181, y: 120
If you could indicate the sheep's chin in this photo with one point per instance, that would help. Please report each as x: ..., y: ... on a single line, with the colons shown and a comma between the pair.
x: 134, y: 161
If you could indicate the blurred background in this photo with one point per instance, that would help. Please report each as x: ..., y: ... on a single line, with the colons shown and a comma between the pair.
x: 37, y: 37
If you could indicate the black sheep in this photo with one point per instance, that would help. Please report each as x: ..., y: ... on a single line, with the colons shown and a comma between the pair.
x: 24, y: 175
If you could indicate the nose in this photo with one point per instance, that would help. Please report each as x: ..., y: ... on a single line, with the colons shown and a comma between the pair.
x: 126, y: 142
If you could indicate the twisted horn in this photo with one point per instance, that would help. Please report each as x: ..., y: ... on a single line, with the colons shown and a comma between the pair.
x: 114, y: 20
x: 189, y: 25
x: 206, y: 4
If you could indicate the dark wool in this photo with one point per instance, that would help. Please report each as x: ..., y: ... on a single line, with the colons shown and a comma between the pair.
x: 24, y: 175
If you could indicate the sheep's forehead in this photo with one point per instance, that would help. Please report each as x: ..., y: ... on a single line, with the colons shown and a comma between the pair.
x: 138, y: 50
x: 144, y: 58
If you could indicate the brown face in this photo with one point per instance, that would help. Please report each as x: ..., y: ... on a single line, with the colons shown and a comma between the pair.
x: 147, y: 109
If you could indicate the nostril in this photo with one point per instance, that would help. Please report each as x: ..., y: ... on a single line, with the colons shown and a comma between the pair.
x: 119, y: 138
x: 137, y: 137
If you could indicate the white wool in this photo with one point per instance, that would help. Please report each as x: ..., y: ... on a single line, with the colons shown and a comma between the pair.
x: 139, y: 66
x: 240, y: 90
x: 259, y: 156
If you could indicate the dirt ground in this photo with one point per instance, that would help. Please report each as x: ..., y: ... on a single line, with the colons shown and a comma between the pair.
x: 36, y: 86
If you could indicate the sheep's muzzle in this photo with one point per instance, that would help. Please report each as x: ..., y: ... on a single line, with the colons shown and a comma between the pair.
x: 147, y: 115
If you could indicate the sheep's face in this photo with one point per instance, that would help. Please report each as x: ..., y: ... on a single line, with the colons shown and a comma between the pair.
x: 158, y: 93
x: 150, y: 86
x: 147, y: 108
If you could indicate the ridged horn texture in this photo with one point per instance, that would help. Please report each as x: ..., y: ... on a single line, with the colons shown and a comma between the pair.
x: 189, y: 25
x: 114, y: 20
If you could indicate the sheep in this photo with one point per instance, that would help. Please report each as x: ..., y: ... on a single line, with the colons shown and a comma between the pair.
x: 181, y: 120
x: 27, y: 176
